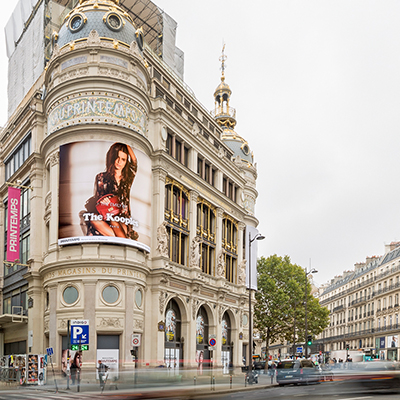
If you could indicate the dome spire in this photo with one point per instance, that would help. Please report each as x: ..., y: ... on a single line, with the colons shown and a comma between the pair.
x: 223, y: 113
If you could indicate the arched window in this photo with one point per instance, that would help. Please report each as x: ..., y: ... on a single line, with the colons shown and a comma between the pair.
x: 202, y: 350
x: 173, y: 356
x: 176, y: 216
x: 206, y: 230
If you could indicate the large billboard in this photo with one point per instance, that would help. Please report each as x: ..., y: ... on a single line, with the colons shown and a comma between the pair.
x: 105, y: 194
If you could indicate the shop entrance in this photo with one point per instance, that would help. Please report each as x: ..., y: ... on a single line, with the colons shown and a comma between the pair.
x: 173, y: 346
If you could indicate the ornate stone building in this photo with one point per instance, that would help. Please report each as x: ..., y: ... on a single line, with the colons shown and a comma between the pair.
x: 364, y: 307
x: 134, y: 198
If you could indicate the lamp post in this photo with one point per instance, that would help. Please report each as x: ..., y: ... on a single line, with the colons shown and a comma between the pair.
x: 312, y: 271
x: 250, y: 367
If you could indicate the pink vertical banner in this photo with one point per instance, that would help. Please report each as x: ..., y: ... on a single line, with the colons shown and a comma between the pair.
x: 13, y: 223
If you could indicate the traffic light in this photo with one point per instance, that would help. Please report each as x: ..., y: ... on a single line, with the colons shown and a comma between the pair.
x: 347, y: 346
x: 309, y: 340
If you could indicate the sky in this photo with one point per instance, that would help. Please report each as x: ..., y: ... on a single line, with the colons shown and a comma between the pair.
x: 316, y: 87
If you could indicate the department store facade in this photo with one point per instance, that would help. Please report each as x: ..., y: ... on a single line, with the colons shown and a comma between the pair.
x: 156, y: 253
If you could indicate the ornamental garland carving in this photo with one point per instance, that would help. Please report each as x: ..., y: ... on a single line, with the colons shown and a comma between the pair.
x: 221, y: 263
x: 162, y: 240
x: 242, y: 273
x: 110, y: 322
x: 46, y: 325
x: 195, y: 252
x: 195, y: 303
x: 162, y: 300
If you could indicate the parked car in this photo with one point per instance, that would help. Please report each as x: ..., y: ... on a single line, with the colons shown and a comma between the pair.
x: 300, y: 371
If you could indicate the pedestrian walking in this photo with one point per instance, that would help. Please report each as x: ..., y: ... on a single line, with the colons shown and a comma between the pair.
x: 102, y: 368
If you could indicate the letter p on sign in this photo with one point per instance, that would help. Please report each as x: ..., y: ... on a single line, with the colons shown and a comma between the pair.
x: 76, y: 331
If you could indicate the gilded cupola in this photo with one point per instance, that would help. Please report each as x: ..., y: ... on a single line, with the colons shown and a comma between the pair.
x: 106, y: 17
x: 225, y: 115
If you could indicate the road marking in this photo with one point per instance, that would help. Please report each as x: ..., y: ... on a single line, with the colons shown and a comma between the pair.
x: 357, y: 398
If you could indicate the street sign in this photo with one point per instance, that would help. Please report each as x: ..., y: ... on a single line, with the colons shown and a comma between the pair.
x: 49, y: 351
x: 212, y: 342
x: 136, y: 339
x: 77, y: 347
x: 80, y: 331
x: 299, y: 349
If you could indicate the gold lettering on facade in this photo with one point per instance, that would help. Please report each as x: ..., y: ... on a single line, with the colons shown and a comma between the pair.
x: 93, y: 271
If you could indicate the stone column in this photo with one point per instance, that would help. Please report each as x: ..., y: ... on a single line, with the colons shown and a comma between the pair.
x: 193, y: 215
x: 54, y: 341
x: 125, y: 354
x: 89, y: 312
x: 159, y: 201
x: 241, y: 230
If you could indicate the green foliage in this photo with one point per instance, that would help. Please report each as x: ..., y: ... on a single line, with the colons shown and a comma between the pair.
x: 280, y: 301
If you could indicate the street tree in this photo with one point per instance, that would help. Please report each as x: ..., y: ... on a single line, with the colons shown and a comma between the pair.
x: 279, y: 309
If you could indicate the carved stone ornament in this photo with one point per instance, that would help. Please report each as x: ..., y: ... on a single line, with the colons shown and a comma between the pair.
x: 242, y: 273
x: 138, y: 324
x: 220, y: 213
x: 162, y: 240
x: 54, y: 158
x: 195, y: 303
x: 134, y: 49
x: 195, y: 252
x: 46, y: 325
x: 221, y: 152
x: 56, y: 52
x: 93, y: 38
x: 110, y: 322
x: 221, y: 310
x: 162, y: 298
x: 221, y: 264
x: 164, y: 279
x: 63, y: 324
x: 195, y: 129
x: 241, y: 318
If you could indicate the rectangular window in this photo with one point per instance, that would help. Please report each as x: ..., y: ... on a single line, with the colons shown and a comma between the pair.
x: 156, y: 75
x: 159, y: 92
x: 18, y: 157
x: 179, y: 97
x: 170, y: 102
x: 194, y: 111
x: 178, y: 110
x: 186, y: 156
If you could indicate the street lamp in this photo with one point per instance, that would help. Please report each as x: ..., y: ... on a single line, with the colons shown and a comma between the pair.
x: 250, y: 368
x: 312, y: 271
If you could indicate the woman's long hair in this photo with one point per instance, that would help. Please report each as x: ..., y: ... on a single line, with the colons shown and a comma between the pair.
x: 112, y: 155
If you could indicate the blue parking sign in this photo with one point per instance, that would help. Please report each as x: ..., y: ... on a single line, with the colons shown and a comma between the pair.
x: 80, y: 331
x: 49, y: 351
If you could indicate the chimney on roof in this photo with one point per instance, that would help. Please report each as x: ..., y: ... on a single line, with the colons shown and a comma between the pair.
x: 391, y: 246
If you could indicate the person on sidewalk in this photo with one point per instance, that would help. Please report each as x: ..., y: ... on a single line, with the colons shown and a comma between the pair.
x: 102, y: 368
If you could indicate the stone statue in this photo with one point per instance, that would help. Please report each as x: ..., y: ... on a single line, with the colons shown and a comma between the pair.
x: 195, y: 252
x: 221, y: 264
x: 162, y: 239
x: 242, y: 273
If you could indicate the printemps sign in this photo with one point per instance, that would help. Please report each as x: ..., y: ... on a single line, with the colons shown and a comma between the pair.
x: 97, y: 109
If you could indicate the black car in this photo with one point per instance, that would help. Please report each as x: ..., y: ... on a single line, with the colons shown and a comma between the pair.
x: 297, y: 371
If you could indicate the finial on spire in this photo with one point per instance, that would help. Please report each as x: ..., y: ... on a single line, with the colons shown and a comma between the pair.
x: 223, y: 59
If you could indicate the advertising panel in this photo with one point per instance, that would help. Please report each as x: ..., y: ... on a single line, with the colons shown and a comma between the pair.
x: 105, y: 194
x: 392, y: 341
x: 13, y: 223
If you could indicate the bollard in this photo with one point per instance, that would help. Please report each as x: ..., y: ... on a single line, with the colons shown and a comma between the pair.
x: 194, y: 381
x: 245, y: 380
x: 213, y: 382
x: 230, y: 381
